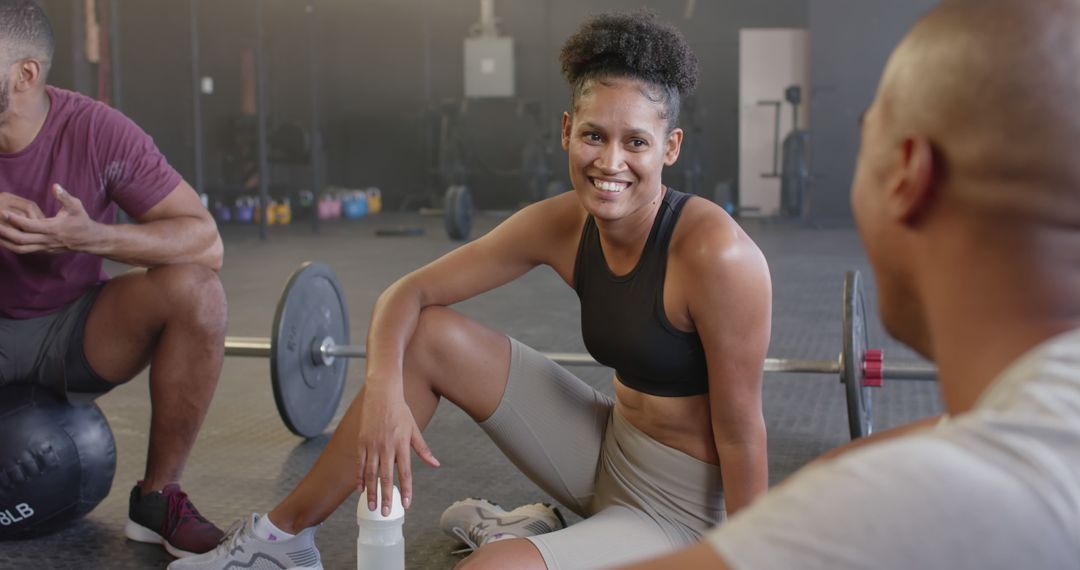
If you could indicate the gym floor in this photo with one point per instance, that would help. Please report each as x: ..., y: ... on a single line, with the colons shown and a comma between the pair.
x: 246, y: 460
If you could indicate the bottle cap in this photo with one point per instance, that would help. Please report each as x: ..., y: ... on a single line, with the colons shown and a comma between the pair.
x: 396, y: 510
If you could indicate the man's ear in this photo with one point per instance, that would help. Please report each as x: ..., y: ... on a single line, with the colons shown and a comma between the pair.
x: 29, y: 73
x: 673, y: 146
x: 567, y: 124
x: 913, y: 189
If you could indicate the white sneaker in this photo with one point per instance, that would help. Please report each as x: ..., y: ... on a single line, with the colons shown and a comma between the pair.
x: 241, y: 549
x: 477, y: 522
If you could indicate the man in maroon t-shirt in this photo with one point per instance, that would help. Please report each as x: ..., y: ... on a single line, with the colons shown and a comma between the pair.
x: 66, y: 163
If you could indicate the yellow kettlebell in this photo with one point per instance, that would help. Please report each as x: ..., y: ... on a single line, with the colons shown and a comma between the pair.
x: 374, y: 200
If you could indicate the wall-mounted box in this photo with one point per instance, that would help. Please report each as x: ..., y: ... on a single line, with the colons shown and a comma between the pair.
x: 489, y: 67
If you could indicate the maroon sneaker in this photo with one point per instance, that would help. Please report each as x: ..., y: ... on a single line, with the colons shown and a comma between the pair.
x: 167, y: 517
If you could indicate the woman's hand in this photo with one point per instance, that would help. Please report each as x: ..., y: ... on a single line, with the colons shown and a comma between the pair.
x: 387, y: 431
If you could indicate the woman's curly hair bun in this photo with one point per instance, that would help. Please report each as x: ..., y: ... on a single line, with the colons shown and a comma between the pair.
x: 634, y: 44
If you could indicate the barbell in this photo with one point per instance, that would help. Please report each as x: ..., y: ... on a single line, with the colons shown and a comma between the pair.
x: 310, y: 346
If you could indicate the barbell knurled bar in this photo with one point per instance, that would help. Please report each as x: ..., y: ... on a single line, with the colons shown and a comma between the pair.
x: 308, y: 363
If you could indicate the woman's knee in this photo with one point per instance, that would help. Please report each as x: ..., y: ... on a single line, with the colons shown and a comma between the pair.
x: 459, y: 359
x: 439, y: 334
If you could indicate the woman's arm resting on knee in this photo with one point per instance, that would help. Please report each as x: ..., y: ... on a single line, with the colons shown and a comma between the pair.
x: 529, y: 238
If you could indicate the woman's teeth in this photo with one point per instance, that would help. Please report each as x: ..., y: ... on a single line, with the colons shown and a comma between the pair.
x: 610, y: 186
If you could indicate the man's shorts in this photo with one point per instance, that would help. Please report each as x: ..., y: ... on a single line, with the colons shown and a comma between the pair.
x: 48, y: 351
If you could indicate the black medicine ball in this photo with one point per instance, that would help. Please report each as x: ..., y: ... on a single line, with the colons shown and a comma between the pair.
x: 57, y: 461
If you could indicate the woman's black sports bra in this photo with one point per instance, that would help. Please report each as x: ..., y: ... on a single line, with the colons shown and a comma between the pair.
x: 622, y: 316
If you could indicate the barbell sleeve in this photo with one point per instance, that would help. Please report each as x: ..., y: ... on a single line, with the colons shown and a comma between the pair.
x: 908, y: 371
x: 247, y: 346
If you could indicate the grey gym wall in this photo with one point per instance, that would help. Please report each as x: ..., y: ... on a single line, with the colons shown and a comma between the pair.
x: 378, y: 73
x: 378, y: 136
x: 851, y: 41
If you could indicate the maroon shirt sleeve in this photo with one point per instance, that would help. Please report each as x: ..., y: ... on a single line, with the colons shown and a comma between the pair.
x: 136, y: 175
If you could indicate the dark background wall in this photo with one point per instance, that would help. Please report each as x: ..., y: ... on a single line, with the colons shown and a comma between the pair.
x: 386, y: 66
x: 851, y: 42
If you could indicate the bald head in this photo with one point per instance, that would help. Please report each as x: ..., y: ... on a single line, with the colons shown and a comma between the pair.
x: 995, y: 86
x: 25, y: 33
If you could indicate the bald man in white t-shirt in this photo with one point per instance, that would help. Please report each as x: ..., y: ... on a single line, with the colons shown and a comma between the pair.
x: 967, y: 196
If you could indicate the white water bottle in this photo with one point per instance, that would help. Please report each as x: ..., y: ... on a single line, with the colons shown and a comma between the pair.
x: 380, y: 545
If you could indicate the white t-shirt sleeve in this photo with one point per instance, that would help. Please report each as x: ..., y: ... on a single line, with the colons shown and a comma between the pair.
x: 918, y: 502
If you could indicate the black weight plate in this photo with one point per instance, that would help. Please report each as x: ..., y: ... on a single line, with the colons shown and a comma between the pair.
x: 312, y: 308
x: 856, y: 339
x: 458, y: 212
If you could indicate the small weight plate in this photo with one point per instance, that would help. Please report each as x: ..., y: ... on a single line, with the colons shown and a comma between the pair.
x: 856, y: 339
x: 312, y: 308
x: 458, y: 212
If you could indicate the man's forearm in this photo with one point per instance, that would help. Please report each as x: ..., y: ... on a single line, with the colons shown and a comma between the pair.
x: 161, y: 242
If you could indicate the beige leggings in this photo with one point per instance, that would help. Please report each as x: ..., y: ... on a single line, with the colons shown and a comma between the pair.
x: 639, y: 497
